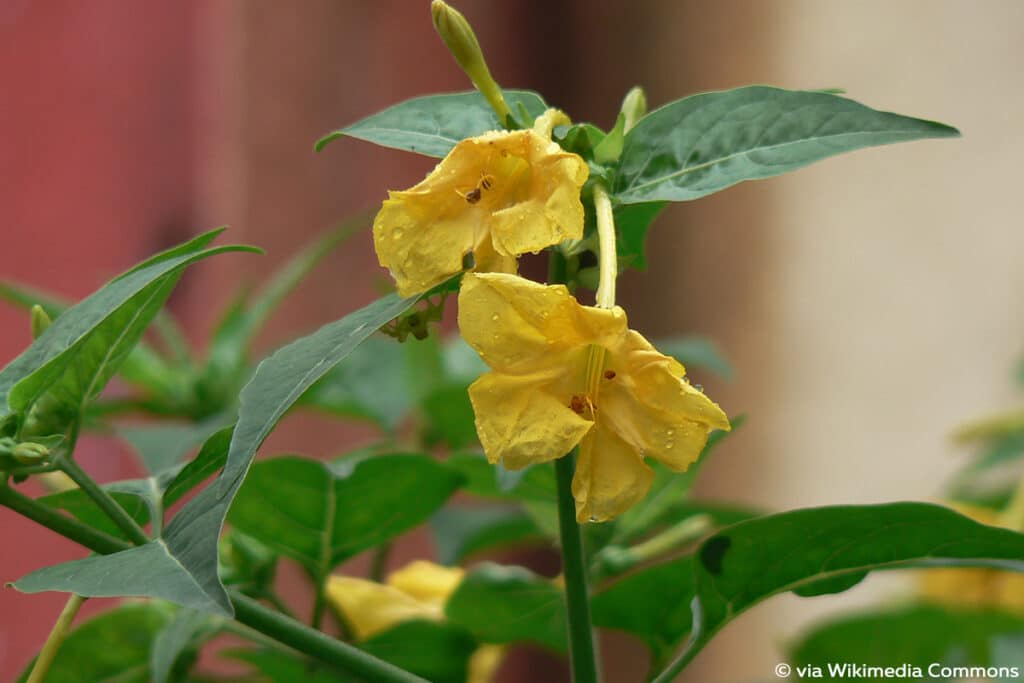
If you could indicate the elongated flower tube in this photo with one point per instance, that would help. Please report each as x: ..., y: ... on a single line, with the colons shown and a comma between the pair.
x: 493, y: 198
x: 418, y: 591
x: 564, y: 375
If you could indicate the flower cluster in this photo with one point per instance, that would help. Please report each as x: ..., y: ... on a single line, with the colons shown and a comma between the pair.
x: 563, y: 374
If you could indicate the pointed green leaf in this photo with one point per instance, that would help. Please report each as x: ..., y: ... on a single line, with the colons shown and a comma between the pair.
x: 432, y: 125
x: 803, y: 550
x: 705, y: 143
x: 150, y: 570
x: 174, y: 642
x: 501, y: 604
x: 71, y: 362
x: 182, y: 566
x: 321, y: 515
x: 462, y: 530
x: 112, y: 647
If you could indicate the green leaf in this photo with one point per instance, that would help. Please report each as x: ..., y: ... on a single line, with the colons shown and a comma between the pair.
x: 698, y: 352
x: 579, y: 138
x: 501, y: 604
x: 141, y: 497
x: 705, y: 143
x: 69, y: 364
x: 432, y: 125
x: 177, y: 641
x: 182, y: 566
x: 369, y: 384
x: 809, y: 550
x: 321, y: 515
x: 439, y: 652
x: 462, y: 530
x: 652, y: 604
x: 449, y: 416
x: 632, y: 221
x: 110, y: 648
x: 162, y: 445
x: 916, y: 635
x: 536, y: 483
x: 609, y: 149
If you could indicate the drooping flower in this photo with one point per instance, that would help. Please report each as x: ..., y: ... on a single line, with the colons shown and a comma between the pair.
x: 493, y: 198
x: 975, y: 587
x: 418, y: 591
x: 566, y: 375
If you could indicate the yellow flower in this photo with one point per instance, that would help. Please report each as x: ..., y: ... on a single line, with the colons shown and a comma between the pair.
x: 417, y: 591
x: 975, y: 587
x: 566, y: 374
x: 494, y: 197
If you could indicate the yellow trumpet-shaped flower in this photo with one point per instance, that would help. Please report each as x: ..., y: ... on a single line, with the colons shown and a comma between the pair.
x: 417, y: 591
x: 494, y: 197
x: 565, y: 375
x: 975, y: 587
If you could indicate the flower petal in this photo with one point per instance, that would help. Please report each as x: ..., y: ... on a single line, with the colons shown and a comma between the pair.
x: 650, y: 406
x: 370, y: 607
x: 519, y: 423
x: 517, y: 325
x: 420, y: 242
x: 610, y: 476
x: 426, y: 582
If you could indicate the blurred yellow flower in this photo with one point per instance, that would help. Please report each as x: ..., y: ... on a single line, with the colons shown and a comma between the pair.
x: 566, y: 374
x: 493, y: 197
x: 975, y: 587
x: 417, y: 591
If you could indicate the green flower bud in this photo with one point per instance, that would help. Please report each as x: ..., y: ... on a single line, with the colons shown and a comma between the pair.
x: 634, y: 106
x: 458, y: 36
x: 40, y: 321
x: 28, y: 453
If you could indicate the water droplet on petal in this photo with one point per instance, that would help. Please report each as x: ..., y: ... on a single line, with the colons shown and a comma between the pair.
x: 396, y: 234
x: 699, y: 387
x: 669, y: 445
x: 494, y: 317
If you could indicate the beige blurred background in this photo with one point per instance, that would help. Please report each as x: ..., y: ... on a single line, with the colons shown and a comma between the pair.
x: 869, y: 303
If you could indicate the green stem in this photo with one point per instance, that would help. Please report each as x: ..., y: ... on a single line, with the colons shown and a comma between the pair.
x: 55, y: 639
x: 319, y: 584
x: 43, y: 514
x: 379, y: 565
x: 316, y: 644
x: 103, y: 499
x: 248, y: 612
x: 581, y: 632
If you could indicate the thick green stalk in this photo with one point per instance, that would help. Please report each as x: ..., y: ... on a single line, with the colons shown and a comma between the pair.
x: 55, y: 639
x: 103, y: 499
x: 581, y: 631
x: 43, y: 514
x: 316, y: 644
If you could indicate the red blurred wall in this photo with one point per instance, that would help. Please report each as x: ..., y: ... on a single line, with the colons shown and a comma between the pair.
x: 96, y: 164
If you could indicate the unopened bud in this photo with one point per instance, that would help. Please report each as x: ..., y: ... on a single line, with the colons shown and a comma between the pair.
x: 40, y: 321
x: 634, y: 106
x: 458, y: 36
x: 28, y: 452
